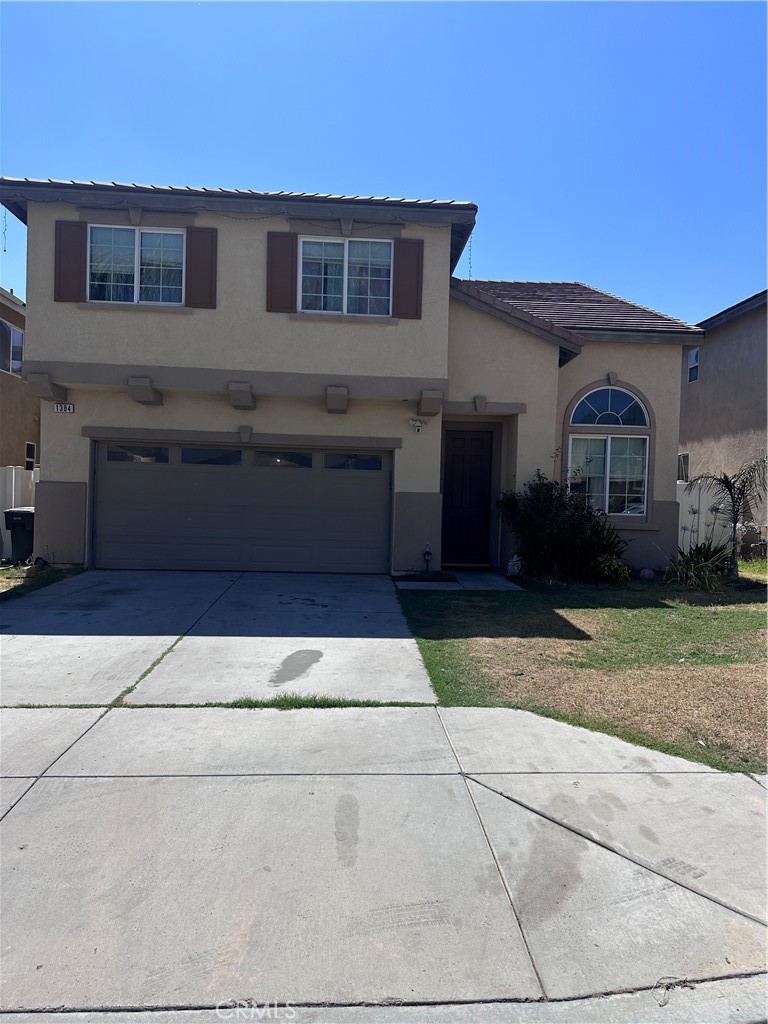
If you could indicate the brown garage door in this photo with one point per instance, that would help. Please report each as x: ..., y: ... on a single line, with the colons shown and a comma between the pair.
x: 161, y: 506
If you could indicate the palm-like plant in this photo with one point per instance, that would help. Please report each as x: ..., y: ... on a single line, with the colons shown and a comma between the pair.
x: 733, y: 498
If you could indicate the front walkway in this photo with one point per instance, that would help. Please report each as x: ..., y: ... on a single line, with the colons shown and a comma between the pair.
x: 171, y: 858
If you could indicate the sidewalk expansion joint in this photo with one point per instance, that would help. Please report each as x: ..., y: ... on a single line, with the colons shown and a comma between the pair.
x: 638, y: 862
x: 383, y: 1003
x: 492, y: 852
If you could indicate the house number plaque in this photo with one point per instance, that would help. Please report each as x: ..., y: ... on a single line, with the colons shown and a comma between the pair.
x: 63, y: 406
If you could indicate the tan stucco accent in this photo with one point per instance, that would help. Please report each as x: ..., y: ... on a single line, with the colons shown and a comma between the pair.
x: 417, y: 522
x: 60, y: 521
x: 199, y: 378
x: 509, y: 366
x: 651, y: 546
x: 239, y: 333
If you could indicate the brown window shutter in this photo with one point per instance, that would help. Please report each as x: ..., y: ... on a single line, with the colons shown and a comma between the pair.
x: 282, y: 259
x: 71, y: 255
x: 407, y: 278
x: 200, y: 268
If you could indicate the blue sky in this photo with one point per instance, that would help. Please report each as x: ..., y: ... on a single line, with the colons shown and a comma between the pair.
x: 620, y: 144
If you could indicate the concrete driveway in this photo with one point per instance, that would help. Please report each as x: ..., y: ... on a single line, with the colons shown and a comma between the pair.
x: 392, y: 865
x: 200, y: 637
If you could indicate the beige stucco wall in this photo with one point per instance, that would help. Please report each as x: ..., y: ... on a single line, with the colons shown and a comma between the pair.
x: 239, y: 333
x: 487, y: 356
x: 723, y: 413
x: 416, y: 464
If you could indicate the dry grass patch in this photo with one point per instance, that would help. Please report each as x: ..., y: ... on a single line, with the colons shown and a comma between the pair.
x: 715, y: 707
x: 677, y: 670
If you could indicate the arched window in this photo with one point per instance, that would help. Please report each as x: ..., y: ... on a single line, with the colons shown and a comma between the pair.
x: 608, y: 451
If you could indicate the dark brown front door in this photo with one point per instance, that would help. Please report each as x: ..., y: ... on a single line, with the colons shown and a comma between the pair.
x: 467, y: 497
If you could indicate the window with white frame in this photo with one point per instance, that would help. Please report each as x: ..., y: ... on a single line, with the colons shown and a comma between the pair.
x: 608, y: 456
x: 349, y: 275
x: 693, y: 365
x: 11, y: 348
x: 135, y: 265
x: 30, y: 455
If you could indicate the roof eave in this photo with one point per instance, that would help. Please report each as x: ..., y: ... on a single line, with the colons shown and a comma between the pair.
x: 732, y: 312
x: 681, y: 336
x: 564, y: 339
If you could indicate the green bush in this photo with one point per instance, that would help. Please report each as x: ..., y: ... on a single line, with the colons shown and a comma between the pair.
x: 702, y: 567
x: 558, y: 534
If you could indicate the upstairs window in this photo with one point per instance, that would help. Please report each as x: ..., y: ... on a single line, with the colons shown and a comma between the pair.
x: 349, y: 275
x: 11, y: 348
x: 133, y: 265
x: 693, y: 365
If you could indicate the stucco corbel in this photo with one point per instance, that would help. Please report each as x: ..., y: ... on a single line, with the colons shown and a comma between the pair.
x: 141, y: 391
x: 336, y: 399
x: 41, y: 386
x: 430, y: 403
x: 240, y: 395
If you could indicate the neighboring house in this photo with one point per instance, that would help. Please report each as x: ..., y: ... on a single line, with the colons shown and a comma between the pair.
x: 260, y: 380
x: 19, y: 407
x: 723, y: 403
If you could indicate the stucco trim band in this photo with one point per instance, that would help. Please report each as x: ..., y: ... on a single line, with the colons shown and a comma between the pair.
x: 338, y: 443
x: 191, y: 378
x: 490, y: 408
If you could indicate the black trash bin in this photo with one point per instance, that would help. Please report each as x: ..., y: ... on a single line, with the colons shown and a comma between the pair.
x: 20, y: 523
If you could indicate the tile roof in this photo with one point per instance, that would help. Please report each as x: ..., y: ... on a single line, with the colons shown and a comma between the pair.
x: 241, y: 193
x: 574, y: 306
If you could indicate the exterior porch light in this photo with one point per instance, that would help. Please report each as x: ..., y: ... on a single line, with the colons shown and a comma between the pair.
x: 427, y: 557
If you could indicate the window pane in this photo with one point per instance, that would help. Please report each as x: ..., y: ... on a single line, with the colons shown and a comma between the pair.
x: 136, y: 453
x: 283, y: 460
x: 17, y: 349
x: 160, y: 266
x: 352, y: 461
x: 111, y: 270
x: 626, y: 485
x: 369, y: 270
x: 322, y: 276
x: 211, y: 456
x: 693, y: 374
x: 5, y: 346
x: 610, y: 406
x: 587, y: 469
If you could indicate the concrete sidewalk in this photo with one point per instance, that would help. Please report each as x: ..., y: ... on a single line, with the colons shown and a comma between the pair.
x: 169, y: 858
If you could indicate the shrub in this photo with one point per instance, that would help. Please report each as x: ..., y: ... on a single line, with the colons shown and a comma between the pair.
x: 702, y: 567
x: 559, y: 534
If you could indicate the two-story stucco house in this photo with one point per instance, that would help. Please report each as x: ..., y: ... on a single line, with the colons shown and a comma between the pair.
x: 259, y: 380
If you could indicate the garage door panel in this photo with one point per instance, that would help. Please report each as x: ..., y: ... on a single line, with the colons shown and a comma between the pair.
x: 249, y: 516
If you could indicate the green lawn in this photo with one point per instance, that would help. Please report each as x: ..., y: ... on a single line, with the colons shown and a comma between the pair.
x: 672, y: 669
x: 17, y: 580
